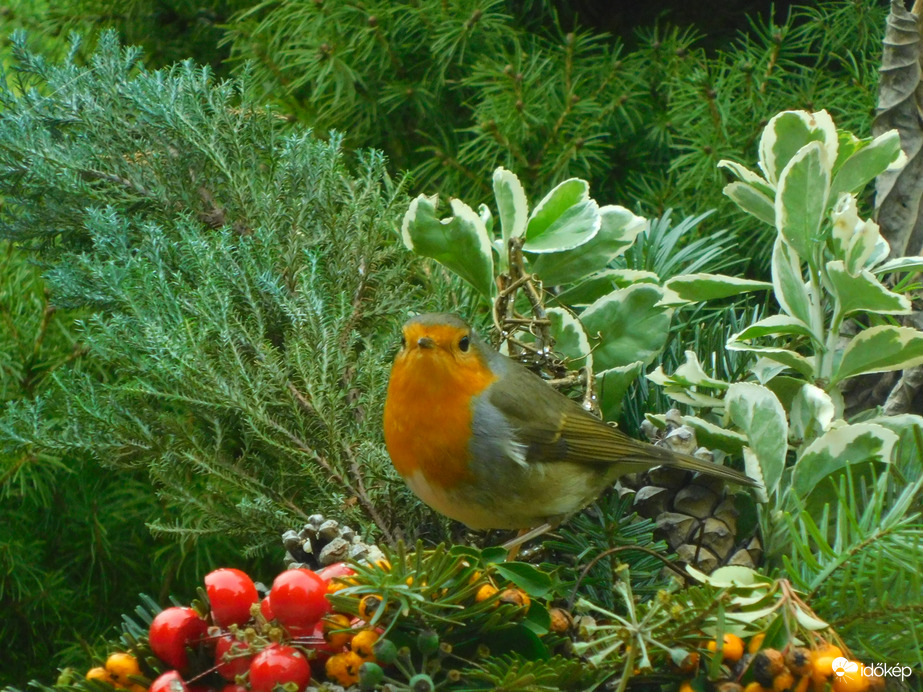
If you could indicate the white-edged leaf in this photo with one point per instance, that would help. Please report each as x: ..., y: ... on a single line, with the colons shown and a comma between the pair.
x: 601, y: 283
x: 691, y: 374
x: 864, y: 292
x: 699, y: 287
x: 788, y: 283
x: 714, y: 436
x: 570, y: 339
x: 766, y: 369
x: 880, y: 349
x: 692, y: 398
x: 801, y: 201
x: 459, y: 242
x: 564, y: 219
x: 787, y: 132
x: 745, y: 175
x: 613, y: 385
x: 809, y: 621
x: 757, y: 412
x: 754, y: 469
x: 626, y: 326
x: 752, y: 201
x: 900, y: 264
x: 512, y: 205
x: 838, y: 448
x: 617, y: 232
x: 786, y: 357
x: 812, y: 413
x: 868, y: 162
x: 772, y: 326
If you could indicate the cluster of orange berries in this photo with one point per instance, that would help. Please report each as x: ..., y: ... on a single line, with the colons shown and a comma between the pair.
x: 793, y: 669
x: 119, y: 671
x: 343, y: 668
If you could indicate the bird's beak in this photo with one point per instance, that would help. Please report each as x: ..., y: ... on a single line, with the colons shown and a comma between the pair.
x: 425, y: 342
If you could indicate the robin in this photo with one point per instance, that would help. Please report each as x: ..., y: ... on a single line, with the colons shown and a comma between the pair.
x: 483, y: 440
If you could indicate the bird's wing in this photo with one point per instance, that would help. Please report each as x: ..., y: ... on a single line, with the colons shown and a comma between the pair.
x: 552, y: 427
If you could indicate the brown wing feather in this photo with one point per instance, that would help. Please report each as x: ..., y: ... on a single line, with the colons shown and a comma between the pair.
x: 555, y: 428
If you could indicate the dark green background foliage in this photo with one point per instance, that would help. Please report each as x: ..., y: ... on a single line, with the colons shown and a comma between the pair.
x: 208, y: 353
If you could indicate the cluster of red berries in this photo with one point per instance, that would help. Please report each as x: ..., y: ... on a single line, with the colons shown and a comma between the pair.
x: 254, y: 644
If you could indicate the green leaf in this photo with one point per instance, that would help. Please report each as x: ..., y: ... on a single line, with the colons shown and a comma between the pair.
x: 801, y: 203
x: 629, y: 325
x: 527, y: 577
x: 812, y: 412
x: 789, y: 285
x: 745, y: 175
x: 880, y: 349
x: 689, y: 374
x: 900, y: 264
x: 460, y: 242
x: 772, y: 326
x: 699, y: 287
x: 835, y: 450
x: 617, y: 232
x: 788, y: 133
x: 602, y: 283
x: 570, y: 339
x: 613, y: 384
x: 786, y: 357
x: 714, y: 436
x: 868, y: 162
x: 756, y: 410
x: 512, y: 206
x: 752, y: 201
x: 564, y: 219
x: 538, y: 619
x: 908, y: 454
x: 864, y: 292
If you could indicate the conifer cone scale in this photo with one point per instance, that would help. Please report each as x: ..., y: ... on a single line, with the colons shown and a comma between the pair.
x: 694, y: 514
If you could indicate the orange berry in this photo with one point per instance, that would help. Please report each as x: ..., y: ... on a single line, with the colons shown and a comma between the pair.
x: 344, y: 668
x: 486, y: 592
x: 363, y: 642
x: 732, y: 650
x: 802, y: 684
x: 101, y: 674
x: 368, y: 606
x: 686, y: 686
x: 822, y: 667
x: 851, y: 682
x: 691, y: 663
x: 336, y: 628
x: 756, y: 641
x: 783, y: 681
x: 827, y: 650
x: 754, y: 687
x: 561, y: 620
x: 768, y: 664
x: 798, y: 660
x: 120, y: 665
x: 516, y: 597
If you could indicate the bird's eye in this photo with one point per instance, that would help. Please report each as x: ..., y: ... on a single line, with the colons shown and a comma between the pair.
x: 463, y: 343
x: 403, y: 341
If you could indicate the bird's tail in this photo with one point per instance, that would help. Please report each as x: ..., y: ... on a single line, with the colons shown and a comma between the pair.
x: 678, y: 460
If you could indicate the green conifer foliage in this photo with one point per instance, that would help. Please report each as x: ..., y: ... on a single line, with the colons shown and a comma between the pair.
x: 242, y: 290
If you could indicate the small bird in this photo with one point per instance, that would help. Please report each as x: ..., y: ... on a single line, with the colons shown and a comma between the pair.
x: 482, y: 439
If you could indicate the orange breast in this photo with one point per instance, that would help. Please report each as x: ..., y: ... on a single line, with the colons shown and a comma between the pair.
x: 427, y: 422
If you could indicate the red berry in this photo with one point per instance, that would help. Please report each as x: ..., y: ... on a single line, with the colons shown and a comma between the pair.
x: 277, y: 665
x: 169, y: 682
x: 172, y: 631
x: 332, y: 574
x: 230, y: 593
x: 298, y: 598
x: 266, y: 609
x: 232, y: 657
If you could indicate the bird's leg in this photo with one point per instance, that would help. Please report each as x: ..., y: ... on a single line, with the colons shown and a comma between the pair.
x: 514, y: 544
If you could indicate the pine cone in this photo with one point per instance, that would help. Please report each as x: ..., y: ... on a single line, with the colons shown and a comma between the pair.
x: 323, y: 542
x: 693, y: 513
